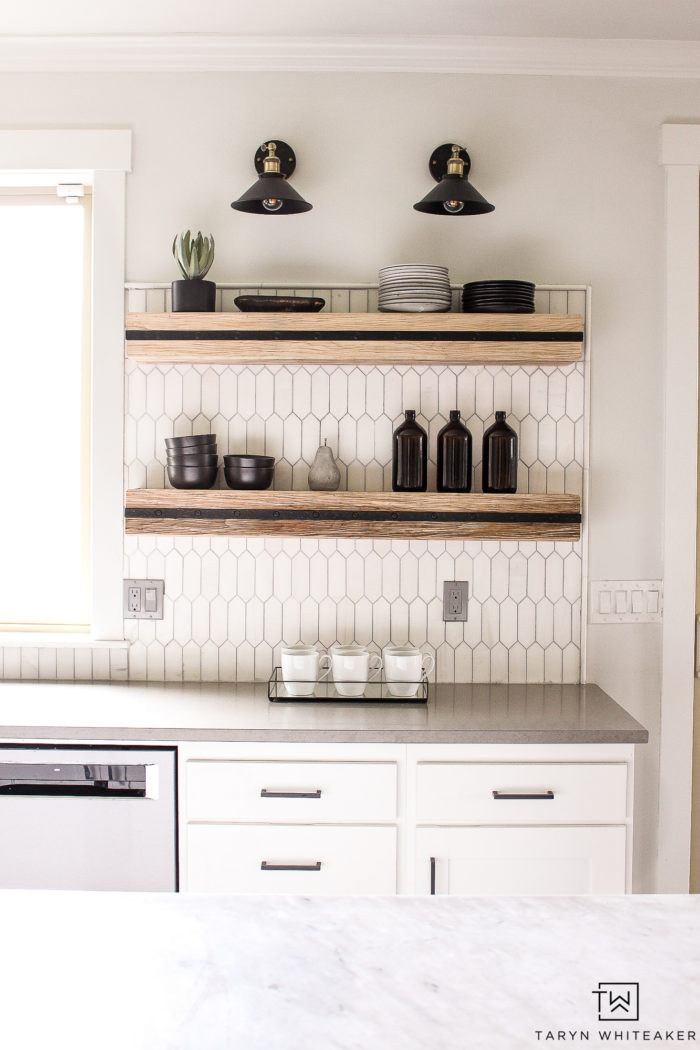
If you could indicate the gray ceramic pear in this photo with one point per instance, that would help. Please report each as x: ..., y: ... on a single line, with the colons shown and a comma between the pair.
x: 324, y: 475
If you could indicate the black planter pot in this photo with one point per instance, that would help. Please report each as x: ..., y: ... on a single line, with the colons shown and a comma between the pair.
x: 194, y: 296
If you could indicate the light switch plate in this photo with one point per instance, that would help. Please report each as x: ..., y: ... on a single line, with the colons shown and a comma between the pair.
x: 143, y: 599
x: 625, y: 601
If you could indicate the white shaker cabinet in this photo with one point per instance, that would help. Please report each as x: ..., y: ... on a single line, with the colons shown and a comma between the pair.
x: 291, y: 858
x: 515, y: 861
x: 406, y: 818
x: 290, y: 818
x: 525, y: 820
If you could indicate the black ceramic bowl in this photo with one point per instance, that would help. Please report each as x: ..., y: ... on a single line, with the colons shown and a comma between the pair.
x: 249, y: 461
x: 177, y: 443
x: 238, y: 477
x: 192, y: 477
x: 197, y: 459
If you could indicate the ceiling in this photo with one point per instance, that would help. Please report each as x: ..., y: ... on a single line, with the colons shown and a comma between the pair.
x: 583, y: 19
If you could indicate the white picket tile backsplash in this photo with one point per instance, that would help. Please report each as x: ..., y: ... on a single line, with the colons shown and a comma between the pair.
x: 352, y: 591
x: 231, y: 603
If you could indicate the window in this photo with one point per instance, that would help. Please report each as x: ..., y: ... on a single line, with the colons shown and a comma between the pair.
x: 44, y: 411
x: 69, y: 577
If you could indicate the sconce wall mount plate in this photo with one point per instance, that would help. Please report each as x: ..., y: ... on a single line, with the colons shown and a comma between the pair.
x: 285, y: 155
x: 271, y: 194
x: 441, y: 155
x: 449, y: 165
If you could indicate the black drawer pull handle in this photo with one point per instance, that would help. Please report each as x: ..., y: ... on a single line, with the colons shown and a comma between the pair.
x: 432, y: 876
x: 290, y: 794
x: 290, y: 867
x: 543, y: 795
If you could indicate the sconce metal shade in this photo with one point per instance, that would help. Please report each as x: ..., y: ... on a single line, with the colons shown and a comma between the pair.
x: 454, y: 194
x: 272, y: 187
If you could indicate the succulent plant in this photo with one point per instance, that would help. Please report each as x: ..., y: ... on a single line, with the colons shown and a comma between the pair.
x: 194, y: 256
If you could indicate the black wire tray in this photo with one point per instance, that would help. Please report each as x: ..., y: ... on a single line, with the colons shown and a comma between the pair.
x: 376, y: 691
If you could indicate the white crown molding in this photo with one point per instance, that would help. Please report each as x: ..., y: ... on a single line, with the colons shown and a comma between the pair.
x: 182, y: 53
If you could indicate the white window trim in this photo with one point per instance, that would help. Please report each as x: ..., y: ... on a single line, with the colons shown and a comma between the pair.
x: 99, y: 158
x: 680, y: 154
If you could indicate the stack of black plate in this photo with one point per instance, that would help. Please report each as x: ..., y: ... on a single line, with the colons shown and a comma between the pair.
x: 192, y: 461
x: 498, y: 297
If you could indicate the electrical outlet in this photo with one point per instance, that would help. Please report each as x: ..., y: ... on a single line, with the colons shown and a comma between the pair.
x: 455, y: 600
x: 143, y: 599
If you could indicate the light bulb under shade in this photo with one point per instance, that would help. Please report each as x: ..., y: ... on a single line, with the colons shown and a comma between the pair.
x: 271, y: 188
x: 272, y: 204
x: 450, y: 190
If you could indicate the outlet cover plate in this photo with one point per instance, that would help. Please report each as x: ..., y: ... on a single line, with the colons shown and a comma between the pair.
x: 143, y: 599
x: 455, y: 601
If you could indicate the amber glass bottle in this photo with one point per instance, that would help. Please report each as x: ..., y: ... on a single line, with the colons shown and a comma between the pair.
x: 410, y: 456
x: 454, y: 456
x: 500, y: 458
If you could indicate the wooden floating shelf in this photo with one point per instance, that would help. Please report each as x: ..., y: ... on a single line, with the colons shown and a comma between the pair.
x: 384, y: 515
x: 329, y: 338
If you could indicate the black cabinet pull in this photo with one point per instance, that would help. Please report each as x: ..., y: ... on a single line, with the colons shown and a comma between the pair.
x: 540, y: 795
x: 290, y: 867
x: 432, y: 876
x: 290, y: 794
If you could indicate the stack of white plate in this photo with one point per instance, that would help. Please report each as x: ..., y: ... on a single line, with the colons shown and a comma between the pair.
x: 414, y: 289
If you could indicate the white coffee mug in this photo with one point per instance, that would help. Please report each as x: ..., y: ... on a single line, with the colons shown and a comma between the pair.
x: 301, y: 669
x: 353, y: 664
x: 404, y: 668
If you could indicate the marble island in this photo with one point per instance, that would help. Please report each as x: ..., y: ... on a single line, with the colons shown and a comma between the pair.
x: 169, y: 972
x: 473, y: 714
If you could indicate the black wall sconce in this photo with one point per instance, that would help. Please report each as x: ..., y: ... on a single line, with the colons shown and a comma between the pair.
x: 272, y: 194
x: 454, y: 194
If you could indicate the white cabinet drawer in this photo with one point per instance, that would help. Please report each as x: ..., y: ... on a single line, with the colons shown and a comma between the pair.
x: 564, y: 792
x: 301, y: 792
x: 521, y: 861
x: 250, y: 858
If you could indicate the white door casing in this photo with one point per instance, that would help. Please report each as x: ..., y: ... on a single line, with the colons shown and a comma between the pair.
x: 680, y: 155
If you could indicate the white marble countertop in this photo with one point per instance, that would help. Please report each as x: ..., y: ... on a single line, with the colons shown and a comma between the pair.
x: 506, y: 714
x: 171, y: 972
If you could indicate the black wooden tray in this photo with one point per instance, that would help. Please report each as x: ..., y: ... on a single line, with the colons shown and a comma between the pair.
x: 374, y: 692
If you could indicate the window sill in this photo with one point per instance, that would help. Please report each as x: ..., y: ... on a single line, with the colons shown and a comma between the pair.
x: 58, y: 640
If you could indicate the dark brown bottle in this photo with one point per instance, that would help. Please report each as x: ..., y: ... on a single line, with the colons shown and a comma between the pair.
x: 410, y: 456
x: 499, y: 466
x: 454, y: 456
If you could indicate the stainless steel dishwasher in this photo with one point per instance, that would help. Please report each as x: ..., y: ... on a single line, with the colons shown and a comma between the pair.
x: 88, y: 818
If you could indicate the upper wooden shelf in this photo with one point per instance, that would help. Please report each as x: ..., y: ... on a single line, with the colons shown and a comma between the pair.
x: 329, y: 338
x: 385, y: 515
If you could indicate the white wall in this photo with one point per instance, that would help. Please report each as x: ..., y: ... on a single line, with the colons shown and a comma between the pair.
x: 571, y: 165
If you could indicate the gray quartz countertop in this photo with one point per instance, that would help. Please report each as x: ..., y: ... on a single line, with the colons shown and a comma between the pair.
x: 472, y: 714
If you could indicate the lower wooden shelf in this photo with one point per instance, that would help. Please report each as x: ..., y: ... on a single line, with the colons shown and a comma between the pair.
x: 386, y: 515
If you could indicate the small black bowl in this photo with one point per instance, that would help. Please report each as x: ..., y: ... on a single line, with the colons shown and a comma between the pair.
x: 196, y: 459
x: 249, y: 461
x: 249, y: 477
x: 177, y: 443
x: 192, y: 477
